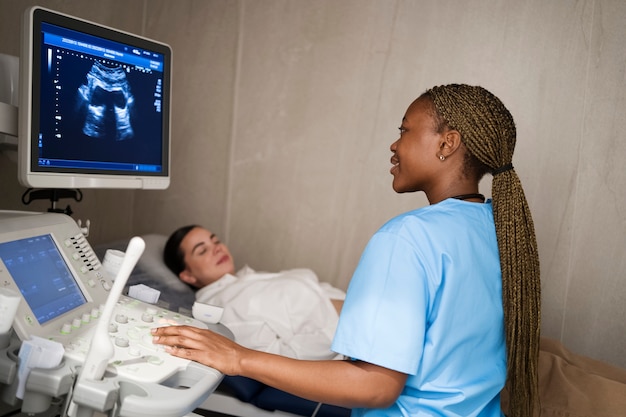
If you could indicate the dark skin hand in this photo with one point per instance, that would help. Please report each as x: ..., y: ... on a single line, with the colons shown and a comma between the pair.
x: 344, y: 383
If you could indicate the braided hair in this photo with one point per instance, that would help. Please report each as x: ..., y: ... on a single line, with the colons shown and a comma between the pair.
x: 488, y: 132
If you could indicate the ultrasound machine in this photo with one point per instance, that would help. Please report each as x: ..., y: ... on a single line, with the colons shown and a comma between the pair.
x: 53, y: 289
x: 93, y: 113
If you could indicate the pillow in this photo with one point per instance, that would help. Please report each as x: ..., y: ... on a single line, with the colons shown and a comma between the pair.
x: 152, y: 272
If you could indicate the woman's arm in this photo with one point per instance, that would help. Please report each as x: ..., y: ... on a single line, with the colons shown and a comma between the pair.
x: 345, y: 383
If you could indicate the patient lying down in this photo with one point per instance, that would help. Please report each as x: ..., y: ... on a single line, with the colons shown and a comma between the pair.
x: 289, y: 313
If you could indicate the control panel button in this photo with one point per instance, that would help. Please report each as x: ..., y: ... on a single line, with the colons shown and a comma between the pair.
x: 121, y: 318
x: 122, y: 342
x: 137, y: 332
x: 154, y: 360
x: 66, y: 328
x: 134, y: 351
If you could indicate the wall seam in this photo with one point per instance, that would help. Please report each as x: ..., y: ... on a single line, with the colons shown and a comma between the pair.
x: 578, y: 173
x: 233, y: 126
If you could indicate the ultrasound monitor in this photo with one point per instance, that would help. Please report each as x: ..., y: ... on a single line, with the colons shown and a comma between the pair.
x: 94, y: 106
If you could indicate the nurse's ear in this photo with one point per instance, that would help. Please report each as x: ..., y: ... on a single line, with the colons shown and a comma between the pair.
x: 450, y: 142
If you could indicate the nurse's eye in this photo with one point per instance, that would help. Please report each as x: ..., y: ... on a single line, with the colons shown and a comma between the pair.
x: 402, y: 129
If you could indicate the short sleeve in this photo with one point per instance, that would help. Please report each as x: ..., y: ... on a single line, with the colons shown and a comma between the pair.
x: 383, y: 320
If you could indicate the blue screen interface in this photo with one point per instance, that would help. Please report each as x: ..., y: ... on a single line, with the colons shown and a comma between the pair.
x: 42, y: 276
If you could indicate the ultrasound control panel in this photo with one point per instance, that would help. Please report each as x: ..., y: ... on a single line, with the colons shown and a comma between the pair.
x: 135, y: 357
x: 64, y: 288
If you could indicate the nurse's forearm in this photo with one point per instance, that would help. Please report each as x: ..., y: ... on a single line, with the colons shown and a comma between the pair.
x: 344, y: 383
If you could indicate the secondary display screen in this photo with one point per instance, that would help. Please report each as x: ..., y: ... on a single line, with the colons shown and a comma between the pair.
x: 43, y: 277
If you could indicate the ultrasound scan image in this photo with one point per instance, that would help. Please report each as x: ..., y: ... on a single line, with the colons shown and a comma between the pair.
x: 108, y: 101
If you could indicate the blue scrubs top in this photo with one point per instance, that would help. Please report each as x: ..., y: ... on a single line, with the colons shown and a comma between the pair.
x: 426, y: 300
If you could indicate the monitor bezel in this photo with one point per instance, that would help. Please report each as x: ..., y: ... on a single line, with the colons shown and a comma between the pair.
x: 29, y: 173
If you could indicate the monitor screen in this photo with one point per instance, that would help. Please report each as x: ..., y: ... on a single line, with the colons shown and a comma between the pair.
x: 43, y: 277
x: 94, y: 106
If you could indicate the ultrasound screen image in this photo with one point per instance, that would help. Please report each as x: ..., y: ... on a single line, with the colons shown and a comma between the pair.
x: 101, y: 104
x: 107, y: 99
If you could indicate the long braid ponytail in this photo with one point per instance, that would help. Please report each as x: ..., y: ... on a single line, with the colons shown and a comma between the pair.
x: 488, y: 131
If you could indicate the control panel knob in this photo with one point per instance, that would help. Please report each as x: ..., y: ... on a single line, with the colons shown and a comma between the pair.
x: 121, y: 318
x: 121, y: 342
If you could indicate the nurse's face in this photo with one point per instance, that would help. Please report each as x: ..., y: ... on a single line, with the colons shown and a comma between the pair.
x: 416, y: 153
x: 206, y: 258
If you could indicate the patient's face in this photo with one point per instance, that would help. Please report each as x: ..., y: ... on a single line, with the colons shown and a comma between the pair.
x: 206, y: 258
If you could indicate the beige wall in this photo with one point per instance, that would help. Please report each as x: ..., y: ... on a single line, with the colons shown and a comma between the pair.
x: 284, y: 110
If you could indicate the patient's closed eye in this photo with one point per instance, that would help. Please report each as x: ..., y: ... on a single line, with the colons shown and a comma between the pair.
x: 203, y: 247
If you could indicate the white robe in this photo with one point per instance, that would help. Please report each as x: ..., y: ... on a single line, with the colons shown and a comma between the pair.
x: 287, y: 313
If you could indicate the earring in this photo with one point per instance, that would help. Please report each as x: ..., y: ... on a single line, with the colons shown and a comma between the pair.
x: 442, y: 158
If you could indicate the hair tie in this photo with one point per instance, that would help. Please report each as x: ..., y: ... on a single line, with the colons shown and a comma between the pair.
x: 502, y: 169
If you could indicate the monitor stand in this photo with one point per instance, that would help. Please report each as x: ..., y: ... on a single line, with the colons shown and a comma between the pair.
x: 52, y: 194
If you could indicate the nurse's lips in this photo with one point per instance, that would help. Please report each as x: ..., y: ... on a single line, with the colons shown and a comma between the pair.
x: 395, y: 163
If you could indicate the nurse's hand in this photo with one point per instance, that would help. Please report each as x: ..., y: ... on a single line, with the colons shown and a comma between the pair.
x: 200, y: 345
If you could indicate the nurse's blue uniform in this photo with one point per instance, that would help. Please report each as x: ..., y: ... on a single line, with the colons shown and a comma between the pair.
x: 426, y: 300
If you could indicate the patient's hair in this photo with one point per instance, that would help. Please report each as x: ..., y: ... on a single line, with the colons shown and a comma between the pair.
x: 488, y: 132
x: 173, y: 256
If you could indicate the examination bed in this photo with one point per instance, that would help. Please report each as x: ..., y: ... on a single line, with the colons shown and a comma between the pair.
x: 570, y: 385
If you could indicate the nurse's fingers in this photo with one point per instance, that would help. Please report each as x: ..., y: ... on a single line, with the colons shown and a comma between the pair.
x: 200, y: 345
